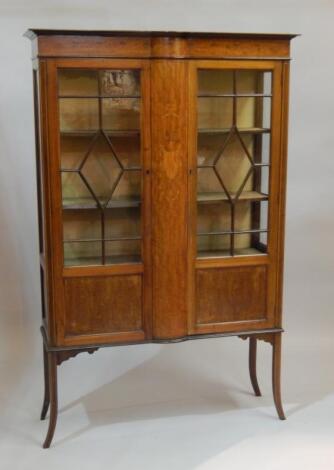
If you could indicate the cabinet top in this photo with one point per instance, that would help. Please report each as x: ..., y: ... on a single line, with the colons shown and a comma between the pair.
x: 58, y: 43
x: 34, y: 32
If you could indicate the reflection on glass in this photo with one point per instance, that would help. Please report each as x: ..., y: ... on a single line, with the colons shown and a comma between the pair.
x: 233, y: 158
x: 120, y: 83
x: 99, y: 120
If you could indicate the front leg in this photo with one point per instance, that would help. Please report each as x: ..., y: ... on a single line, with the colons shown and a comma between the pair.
x: 46, y: 401
x: 252, y: 365
x: 52, y: 380
x: 277, y: 341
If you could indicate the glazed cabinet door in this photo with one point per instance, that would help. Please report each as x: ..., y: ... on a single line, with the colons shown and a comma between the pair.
x: 99, y: 134
x: 235, y: 133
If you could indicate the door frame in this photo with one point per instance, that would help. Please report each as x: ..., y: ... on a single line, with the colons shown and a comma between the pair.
x: 272, y: 260
x: 59, y: 272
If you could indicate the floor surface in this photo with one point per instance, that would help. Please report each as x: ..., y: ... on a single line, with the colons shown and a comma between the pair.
x: 182, y: 406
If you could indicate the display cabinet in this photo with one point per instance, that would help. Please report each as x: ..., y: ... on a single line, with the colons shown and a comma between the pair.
x: 161, y: 172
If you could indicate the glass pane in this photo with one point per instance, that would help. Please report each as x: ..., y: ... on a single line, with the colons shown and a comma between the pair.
x: 120, y: 113
x: 122, y: 222
x: 82, y: 235
x: 261, y: 148
x: 264, y: 150
x: 82, y: 253
x: 213, y: 218
x: 74, y: 82
x: 78, y: 114
x: 127, y: 148
x: 213, y: 82
x: 208, y: 183
x: 76, y: 195
x: 253, y: 112
x: 246, y: 245
x: 251, y: 215
x: 263, y: 241
x: 253, y: 82
x: 120, y: 83
x: 234, y: 165
x: 124, y: 251
x: 264, y: 120
x: 102, y: 170
x: 82, y: 225
x: 73, y: 149
x: 233, y: 159
x: 128, y: 188
x: 100, y: 165
x: 215, y: 113
x: 214, y: 246
x: 263, y: 177
x: 209, y: 147
x: 267, y: 83
x: 247, y: 81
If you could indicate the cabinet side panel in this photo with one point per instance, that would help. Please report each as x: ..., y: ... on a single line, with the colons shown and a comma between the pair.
x: 169, y: 197
x: 43, y: 187
x: 282, y: 190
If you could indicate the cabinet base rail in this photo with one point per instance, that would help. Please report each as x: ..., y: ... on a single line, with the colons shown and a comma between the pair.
x: 55, y: 356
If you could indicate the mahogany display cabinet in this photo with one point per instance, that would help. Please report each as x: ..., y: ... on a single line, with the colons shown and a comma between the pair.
x: 161, y: 172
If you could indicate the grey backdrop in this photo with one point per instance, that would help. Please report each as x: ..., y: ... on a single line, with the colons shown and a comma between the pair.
x: 185, y: 405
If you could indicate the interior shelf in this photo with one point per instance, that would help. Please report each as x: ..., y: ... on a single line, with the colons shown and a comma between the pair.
x: 226, y: 253
x: 241, y: 130
x: 97, y: 261
x: 244, y: 196
x: 99, y: 96
x: 88, y: 203
x: 234, y: 95
x: 91, y: 132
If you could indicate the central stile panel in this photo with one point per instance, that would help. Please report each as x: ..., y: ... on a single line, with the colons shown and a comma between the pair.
x: 170, y: 250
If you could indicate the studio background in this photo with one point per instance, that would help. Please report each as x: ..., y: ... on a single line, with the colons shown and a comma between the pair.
x: 188, y: 405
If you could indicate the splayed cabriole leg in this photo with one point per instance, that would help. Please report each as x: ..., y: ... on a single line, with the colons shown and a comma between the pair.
x: 52, y: 371
x: 46, y: 401
x: 252, y: 365
x: 53, y: 357
x: 275, y: 340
